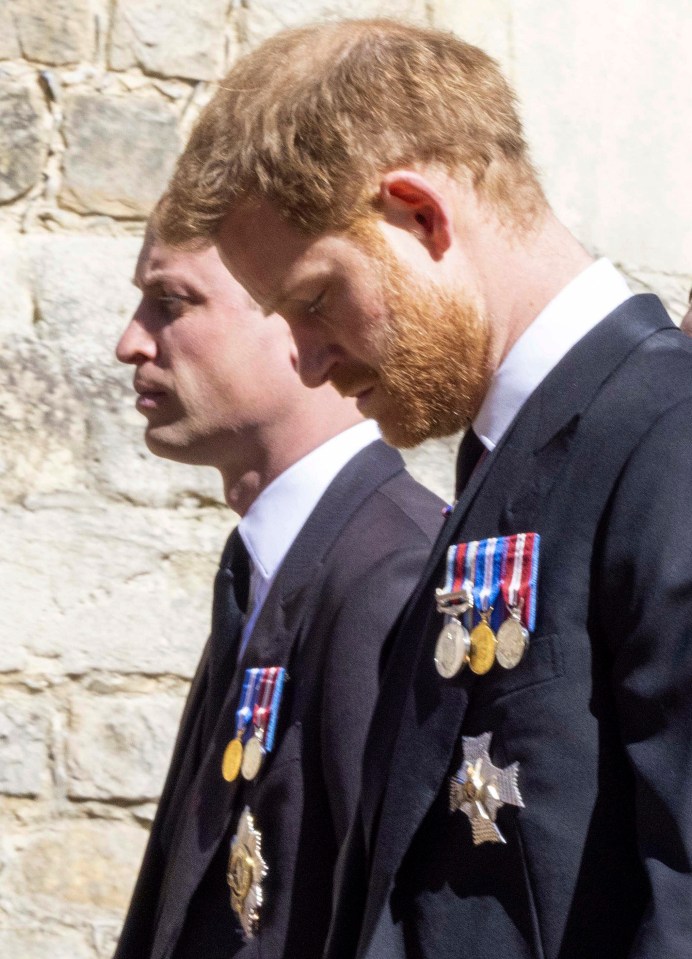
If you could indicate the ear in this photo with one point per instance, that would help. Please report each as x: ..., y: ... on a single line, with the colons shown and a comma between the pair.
x: 411, y: 202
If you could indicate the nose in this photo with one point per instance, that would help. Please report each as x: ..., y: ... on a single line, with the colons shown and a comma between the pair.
x: 316, y: 357
x: 136, y: 343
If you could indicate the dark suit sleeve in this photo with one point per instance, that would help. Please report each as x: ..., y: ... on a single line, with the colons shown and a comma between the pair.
x: 358, y: 632
x: 645, y: 608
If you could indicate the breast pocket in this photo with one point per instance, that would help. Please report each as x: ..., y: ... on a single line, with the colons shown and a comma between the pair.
x: 542, y: 663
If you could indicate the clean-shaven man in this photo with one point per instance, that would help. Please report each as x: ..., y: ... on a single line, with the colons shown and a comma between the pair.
x: 265, y: 774
x: 528, y: 787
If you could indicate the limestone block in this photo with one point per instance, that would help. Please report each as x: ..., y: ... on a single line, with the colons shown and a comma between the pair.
x: 170, y: 38
x: 485, y: 23
x: 116, y: 589
x: 42, y: 425
x: 20, y: 942
x: 9, y: 45
x: 24, y: 741
x: 59, y: 32
x: 606, y: 111
x: 262, y: 18
x: 119, y: 746
x: 120, y: 153
x: 84, y: 298
x: 16, y: 309
x: 22, y: 139
x: 78, y: 866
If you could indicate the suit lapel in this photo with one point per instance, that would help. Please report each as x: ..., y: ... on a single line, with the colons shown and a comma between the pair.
x: 503, y: 496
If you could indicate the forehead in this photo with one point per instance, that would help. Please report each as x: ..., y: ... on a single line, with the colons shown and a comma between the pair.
x: 271, y: 258
x: 158, y: 263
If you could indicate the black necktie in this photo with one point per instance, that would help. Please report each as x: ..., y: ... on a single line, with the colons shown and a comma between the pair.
x: 231, y: 591
x: 470, y: 452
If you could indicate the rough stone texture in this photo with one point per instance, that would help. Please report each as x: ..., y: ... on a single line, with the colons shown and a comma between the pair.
x: 120, y: 590
x: 23, y: 747
x: 59, y: 32
x: 22, y: 139
x: 9, y: 45
x: 119, y: 154
x: 19, y: 942
x: 83, y: 864
x: 42, y: 423
x: 16, y: 308
x: 121, y: 748
x: 261, y: 18
x: 84, y: 298
x: 171, y: 38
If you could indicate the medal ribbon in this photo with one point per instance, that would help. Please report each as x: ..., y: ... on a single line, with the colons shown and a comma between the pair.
x: 248, y: 696
x: 274, y: 707
x: 520, y: 575
x: 260, y: 714
x: 486, y: 581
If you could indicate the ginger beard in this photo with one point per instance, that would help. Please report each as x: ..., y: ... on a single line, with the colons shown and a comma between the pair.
x: 433, y: 354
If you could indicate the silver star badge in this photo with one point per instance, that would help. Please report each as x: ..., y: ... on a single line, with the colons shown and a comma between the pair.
x: 479, y: 789
x: 246, y: 870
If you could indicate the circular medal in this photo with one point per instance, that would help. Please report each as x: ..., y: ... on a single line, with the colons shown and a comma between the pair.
x: 451, y: 649
x: 482, y: 654
x: 232, y: 758
x: 253, y: 756
x: 512, y: 643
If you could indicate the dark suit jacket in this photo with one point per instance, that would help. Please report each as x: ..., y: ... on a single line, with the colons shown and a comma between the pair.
x: 599, y: 714
x: 334, y: 600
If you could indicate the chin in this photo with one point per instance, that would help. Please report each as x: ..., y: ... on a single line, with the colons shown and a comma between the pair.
x: 171, y: 448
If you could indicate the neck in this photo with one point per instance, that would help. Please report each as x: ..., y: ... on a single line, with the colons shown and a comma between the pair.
x: 246, y: 477
x: 522, y: 273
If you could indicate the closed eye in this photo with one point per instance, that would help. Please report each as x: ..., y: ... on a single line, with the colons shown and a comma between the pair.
x: 315, y: 308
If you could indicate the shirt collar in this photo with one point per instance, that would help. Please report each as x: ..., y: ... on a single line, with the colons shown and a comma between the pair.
x: 278, y: 514
x: 577, y: 308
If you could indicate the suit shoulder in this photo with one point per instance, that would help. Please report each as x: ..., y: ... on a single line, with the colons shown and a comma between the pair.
x: 411, y: 501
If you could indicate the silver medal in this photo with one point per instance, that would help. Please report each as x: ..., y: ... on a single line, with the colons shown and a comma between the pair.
x: 452, y: 649
x: 512, y: 642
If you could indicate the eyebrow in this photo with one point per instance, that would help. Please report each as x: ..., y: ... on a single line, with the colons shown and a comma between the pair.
x: 283, y: 294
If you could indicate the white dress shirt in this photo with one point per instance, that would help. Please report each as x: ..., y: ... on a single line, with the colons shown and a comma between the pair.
x: 577, y: 308
x: 272, y: 523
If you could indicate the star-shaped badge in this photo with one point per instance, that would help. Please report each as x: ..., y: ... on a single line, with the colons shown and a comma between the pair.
x: 246, y: 870
x: 479, y: 789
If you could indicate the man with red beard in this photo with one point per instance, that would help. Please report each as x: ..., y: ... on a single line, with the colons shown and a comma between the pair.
x: 528, y: 773
x: 264, y: 777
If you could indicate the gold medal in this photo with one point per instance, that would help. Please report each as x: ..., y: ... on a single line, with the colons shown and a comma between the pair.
x: 246, y: 871
x: 512, y: 641
x: 232, y: 758
x: 452, y: 649
x: 483, y: 642
x: 253, y: 757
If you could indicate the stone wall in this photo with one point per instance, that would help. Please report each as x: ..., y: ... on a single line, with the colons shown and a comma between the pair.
x: 107, y: 554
